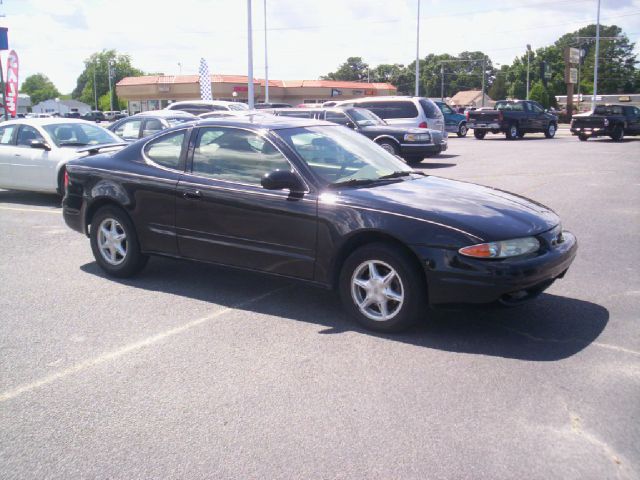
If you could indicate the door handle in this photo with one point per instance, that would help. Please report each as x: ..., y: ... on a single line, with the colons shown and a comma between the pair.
x: 192, y: 194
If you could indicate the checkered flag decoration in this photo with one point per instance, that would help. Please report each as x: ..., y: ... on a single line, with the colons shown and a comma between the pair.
x: 205, y: 81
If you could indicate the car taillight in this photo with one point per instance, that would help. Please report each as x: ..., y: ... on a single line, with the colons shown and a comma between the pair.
x: 467, y: 115
x: 66, y: 179
x: 423, y: 125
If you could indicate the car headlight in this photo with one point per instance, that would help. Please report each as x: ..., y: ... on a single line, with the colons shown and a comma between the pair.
x: 502, y: 249
x: 417, y: 137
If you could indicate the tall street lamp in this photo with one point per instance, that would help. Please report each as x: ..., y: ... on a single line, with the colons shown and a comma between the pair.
x: 528, y: 65
x: 418, y: 52
x: 595, y: 63
x: 250, y: 57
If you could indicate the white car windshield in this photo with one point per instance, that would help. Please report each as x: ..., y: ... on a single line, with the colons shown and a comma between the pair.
x: 79, y: 134
x: 340, y: 156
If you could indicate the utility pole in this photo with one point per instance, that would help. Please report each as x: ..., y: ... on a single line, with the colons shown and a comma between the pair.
x: 528, y: 65
x: 442, y: 82
x: 484, y: 68
x: 418, y: 52
x: 95, y: 89
x: 110, y: 68
x: 595, y: 63
x: 266, y: 62
x: 250, y: 57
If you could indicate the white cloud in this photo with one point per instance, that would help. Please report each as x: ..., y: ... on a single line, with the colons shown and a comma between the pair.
x: 307, y: 38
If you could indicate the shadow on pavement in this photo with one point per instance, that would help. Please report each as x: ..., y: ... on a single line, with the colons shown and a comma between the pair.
x: 30, y: 198
x: 548, y: 329
x: 426, y: 165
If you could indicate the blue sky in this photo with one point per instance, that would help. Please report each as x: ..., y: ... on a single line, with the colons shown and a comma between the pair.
x: 307, y: 38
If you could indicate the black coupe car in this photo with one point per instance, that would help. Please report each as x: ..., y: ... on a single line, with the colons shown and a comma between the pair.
x: 146, y: 124
x: 317, y: 202
x: 412, y: 144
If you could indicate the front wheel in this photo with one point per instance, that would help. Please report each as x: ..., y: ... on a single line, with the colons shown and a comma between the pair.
x: 479, y: 134
x: 382, y: 288
x: 583, y: 137
x: 512, y: 132
x: 114, y: 243
x: 617, y: 134
x: 390, y: 147
x: 462, y: 130
x: 550, y: 132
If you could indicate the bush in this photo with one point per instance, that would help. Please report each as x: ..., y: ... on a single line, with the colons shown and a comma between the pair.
x: 540, y: 94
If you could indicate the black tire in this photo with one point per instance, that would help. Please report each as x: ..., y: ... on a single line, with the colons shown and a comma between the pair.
x: 389, y: 146
x: 61, y: 188
x: 513, y: 132
x: 617, y: 134
x: 479, y: 134
x: 408, y: 280
x: 413, y: 160
x: 550, y: 131
x: 583, y: 137
x: 462, y: 130
x: 133, y: 261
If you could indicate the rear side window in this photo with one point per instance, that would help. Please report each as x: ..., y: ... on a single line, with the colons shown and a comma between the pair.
x: 6, y: 133
x: 152, y: 126
x: 300, y: 114
x: 129, y: 129
x: 608, y: 110
x: 391, y: 109
x: 430, y: 109
x: 167, y: 149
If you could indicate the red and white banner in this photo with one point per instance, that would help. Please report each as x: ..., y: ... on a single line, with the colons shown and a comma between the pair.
x: 12, y: 83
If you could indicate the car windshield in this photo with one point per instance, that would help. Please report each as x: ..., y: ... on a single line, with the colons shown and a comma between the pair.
x: 238, y: 106
x: 340, y: 156
x: 365, y: 118
x: 79, y: 134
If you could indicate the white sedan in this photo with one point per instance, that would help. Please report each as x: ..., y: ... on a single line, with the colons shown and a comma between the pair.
x: 34, y: 151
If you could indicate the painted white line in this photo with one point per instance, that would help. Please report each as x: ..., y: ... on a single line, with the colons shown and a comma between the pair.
x: 42, y: 210
x: 145, y: 342
x: 616, y: 348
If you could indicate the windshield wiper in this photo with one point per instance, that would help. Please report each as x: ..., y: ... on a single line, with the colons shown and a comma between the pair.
x: 353, y: 182
x: 73, y: 144
x: 396, y: 174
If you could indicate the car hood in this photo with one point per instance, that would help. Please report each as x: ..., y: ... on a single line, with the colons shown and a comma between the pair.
x: 479, y: 212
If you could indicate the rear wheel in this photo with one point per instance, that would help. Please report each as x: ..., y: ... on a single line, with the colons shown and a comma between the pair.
x: 382, y: 288
x: 462, y: 130
x: 479, y: 134
x: 550, y: 131
x: 512, y: 132
x: 114, y: 242
x: 617, y: 134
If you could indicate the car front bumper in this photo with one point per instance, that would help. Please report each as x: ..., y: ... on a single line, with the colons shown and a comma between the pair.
x: 455, y: 279
x: 590, y: 132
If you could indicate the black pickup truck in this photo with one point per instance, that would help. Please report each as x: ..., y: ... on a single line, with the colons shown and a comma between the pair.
x: 613, y: 121
x: 514, y: 118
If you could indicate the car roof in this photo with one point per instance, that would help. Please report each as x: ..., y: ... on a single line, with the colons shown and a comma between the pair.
x: 202, y: 102
x: 382, y: 99
x: 163, y: 114
x: 39, y: 122
x: 260, y: 121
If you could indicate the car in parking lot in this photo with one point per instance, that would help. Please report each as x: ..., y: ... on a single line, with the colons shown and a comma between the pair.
x: 454, y: 122
x: 320, y: 203
x: 197, y: 107
x: 94, y: 116
x: 34, y: 152
x: 614, y: 121
x: 412, y: 144
x: 147, y: 123
x: 402, y: 111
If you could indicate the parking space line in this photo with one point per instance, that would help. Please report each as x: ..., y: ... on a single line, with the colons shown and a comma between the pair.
x: 43, y: 210
x: 132, y: 347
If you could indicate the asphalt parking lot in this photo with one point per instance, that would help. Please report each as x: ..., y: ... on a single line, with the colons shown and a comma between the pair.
x: 194, y: 371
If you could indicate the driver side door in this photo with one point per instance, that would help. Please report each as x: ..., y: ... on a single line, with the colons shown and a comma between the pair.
x: 225, y: 216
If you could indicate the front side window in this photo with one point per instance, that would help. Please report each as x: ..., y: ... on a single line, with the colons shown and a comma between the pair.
x: 536, y: 108
x: 336, y: 117
x: 6, y: 133
x: 236, y: 156
x: 339, y: 155
x: 510, y: 106
x: 446, y: 109
x: 79, y: 134
x: 167, y: 150
x: 152, y: 126
x: 129, y: 129
x: 27, y: 134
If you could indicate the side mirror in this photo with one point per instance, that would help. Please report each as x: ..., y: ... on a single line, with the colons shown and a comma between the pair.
x: 40, y: 144
x: 282, y: 179
x: 350, y: 124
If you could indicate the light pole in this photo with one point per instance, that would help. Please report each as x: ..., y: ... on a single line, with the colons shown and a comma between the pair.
x: 110, y: 64
x: 266, y: 62
x: 250, y: 57
x: 418, y: 52
x: 95, y: 89
x: 442, y: 82
x: 595, y: 63
x: 528, y: 65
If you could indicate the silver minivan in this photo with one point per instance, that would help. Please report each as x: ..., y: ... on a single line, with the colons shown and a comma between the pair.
x: 403, y: 111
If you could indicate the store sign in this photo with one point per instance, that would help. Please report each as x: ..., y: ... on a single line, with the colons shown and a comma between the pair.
x: 369, y: 92
x: 12, y: 84
x: 574, y: 55
x: 571, y: 75
x: 163, y: 88
x: 624, y: 98
x: 241, y: 88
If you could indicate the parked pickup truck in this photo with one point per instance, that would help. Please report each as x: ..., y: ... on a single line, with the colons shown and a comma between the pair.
x: 613, y: 121
x: 514, y: 118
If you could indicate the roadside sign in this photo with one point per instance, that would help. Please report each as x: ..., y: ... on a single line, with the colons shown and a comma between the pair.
x: 571, y: 75
x: 574, y: 55
x: 547, y: 70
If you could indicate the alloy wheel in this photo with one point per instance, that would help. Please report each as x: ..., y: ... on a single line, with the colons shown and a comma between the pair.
x: 377, y: 290
x: 112, y: 241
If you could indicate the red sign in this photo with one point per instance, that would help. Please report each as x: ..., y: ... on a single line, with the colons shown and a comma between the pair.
x: 12, y: 83
x: 241, y: 89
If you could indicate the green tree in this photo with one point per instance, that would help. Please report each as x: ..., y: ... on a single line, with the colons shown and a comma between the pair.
x: 97, y: 66
x: 39, y: 88
x: 498, y: 89
x: 104, y: 102
x: 354, y: 70
x: 539, y: 94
